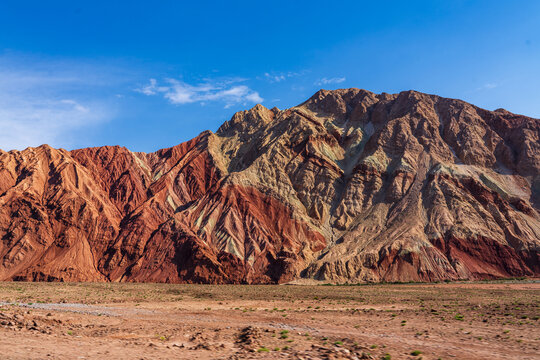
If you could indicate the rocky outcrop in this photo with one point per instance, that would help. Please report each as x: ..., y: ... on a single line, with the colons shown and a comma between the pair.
x: 349, y: 186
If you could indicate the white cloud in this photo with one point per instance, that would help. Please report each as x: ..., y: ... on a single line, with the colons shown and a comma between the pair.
x: 179, y: 92
x: 487, y: 86
x: 254, y: 97
x: 149, y: 89
x: 38, y: 103
x: 76, y: 105
x: 282, y: 76
x: 34, y: 121
x: 328, y: 81
x: 274, y: 78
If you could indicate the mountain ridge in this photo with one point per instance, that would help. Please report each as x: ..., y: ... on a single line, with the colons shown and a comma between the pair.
x: 349, y: 186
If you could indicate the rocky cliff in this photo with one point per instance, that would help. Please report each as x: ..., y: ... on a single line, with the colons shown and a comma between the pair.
x: 349, y: 186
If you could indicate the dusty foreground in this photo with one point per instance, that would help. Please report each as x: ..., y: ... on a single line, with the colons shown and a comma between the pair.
x: 497, y: 320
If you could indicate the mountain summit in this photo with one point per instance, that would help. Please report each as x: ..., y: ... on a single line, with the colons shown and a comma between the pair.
x: 349, y: 186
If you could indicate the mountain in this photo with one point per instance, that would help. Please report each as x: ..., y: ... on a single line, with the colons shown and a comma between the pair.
x: 349, y: 186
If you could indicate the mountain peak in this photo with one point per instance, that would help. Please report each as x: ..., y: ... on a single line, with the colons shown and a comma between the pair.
x: 248, y: 121
x: 349, y: 186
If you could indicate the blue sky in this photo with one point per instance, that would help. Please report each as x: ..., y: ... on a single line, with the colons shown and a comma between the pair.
x: 148, y: 75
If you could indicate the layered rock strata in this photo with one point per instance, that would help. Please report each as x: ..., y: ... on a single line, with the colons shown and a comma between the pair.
x: 350, y: 186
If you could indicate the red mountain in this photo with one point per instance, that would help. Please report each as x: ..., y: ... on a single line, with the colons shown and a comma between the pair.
x: 349, y: 186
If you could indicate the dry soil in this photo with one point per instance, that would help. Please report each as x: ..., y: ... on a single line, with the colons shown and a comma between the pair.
x: 485, y: 320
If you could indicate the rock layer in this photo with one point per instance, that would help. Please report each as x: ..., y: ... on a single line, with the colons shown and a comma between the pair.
x: 349, y: 186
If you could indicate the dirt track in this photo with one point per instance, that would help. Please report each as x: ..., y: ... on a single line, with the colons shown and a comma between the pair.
x: 156, y: 321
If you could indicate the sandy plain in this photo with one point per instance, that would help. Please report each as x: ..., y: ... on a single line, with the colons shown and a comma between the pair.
x: 477, y: 320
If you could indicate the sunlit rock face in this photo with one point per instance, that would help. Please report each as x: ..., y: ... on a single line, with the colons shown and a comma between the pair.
x: 350, y: 186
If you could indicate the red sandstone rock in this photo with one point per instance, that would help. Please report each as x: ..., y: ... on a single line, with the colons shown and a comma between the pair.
x: 349, y: 186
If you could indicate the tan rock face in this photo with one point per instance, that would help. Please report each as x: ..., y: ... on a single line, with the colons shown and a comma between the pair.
x: 349, y: 186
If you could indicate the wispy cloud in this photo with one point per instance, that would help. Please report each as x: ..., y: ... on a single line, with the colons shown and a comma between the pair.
x: 329, y: 81
x: 33, y: 121
x: 179, y: 92
x: 487, y: 86
x: 275, y: 77
x: 76, y: 106
x: 39, y: 103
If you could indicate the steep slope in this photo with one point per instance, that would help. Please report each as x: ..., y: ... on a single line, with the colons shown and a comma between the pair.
x: 349, y: 186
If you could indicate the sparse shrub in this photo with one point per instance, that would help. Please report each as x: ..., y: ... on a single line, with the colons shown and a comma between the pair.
x: 162, y: 337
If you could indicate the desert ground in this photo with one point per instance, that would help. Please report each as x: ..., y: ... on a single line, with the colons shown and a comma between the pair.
x: 480, y: 320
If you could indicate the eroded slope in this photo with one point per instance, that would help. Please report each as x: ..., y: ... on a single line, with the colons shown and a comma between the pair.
x: 348, y: 186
